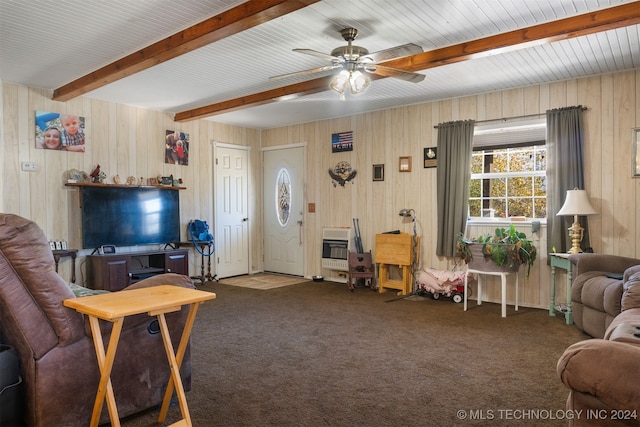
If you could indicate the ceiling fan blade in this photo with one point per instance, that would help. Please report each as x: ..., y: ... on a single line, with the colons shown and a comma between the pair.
x: 394, y: 52
x: 318, y: 54
x: 305, y: 72
x: 394, y: 72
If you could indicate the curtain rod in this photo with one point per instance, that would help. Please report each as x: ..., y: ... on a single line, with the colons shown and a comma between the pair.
x: 527, y: 116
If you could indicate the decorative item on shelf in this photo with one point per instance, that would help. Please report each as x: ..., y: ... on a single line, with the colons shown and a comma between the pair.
x: 141, y: 181
x: 166, y: 180
x: 95, y: 174
x: 342, y: 173
x: 74, y: 175
x: 505, y: 250
x: 153, y: 181
x: 116, y: 180
x: 131, y: 180
x: 576, y: 204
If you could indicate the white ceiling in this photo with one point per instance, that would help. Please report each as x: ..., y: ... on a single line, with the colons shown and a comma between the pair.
x: 47, y: 44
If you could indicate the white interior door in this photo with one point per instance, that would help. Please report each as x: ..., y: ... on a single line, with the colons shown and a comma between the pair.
x: 231, y: 211
x: 284, y: 210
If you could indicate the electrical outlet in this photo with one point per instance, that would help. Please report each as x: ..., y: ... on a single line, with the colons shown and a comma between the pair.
x: 29, y: 166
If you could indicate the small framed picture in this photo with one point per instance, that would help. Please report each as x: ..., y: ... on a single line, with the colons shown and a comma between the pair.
x: 431, y: 157
x: 153, y: 181
x: 58, y: 246
x: 52, y: 245
x: 64, y: 245
x: 635, y: 155
x: 378, y: 172
x: 405, y: 164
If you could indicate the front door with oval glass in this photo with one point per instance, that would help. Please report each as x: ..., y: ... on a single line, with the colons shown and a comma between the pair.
x: 284, y: 211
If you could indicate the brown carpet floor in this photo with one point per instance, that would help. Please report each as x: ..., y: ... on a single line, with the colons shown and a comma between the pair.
x: 315, y: 354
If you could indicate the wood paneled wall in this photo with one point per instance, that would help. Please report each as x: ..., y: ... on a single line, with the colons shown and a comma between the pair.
x: 613, y: 103
x: 123, y: 140
x: 129, y: 141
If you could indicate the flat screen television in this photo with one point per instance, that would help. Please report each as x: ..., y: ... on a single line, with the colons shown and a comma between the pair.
x: 121, y: 216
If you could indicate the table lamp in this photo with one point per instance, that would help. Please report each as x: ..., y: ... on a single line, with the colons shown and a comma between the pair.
x: 576, y: 204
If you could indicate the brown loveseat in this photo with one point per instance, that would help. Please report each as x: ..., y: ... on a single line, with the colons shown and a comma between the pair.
x: 603, y: 375
x: 57, y: 358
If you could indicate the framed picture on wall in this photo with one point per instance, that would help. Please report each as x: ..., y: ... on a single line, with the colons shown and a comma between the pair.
x: 378, y: 172
x: 431, y: 157
x: 63, y: 132
x: 635, y: 155
x: 176, y: 147
x: 405, y: 164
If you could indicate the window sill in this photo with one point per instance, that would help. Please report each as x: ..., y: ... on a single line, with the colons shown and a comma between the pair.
x: 504, y: 221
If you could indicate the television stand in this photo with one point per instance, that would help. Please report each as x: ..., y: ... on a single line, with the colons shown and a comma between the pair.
x: 114, y: 272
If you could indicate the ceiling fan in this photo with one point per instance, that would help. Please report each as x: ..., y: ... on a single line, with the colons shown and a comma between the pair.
x: 353, y: 60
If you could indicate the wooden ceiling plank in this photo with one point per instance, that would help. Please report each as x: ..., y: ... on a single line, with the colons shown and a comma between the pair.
x: 299, y: 89
x: 563, y: 29
x: 228, y: 23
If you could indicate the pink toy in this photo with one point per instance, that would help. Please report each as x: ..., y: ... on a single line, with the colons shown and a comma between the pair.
x: 442, y: 282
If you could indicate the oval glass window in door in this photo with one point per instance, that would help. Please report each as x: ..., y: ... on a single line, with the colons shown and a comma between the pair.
x: 283, y: 196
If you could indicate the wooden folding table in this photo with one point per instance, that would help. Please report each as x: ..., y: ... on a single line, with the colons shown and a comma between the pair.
x: 114, y: 307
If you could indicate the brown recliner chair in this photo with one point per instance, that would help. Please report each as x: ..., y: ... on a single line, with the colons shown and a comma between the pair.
x: 58, y: 363
x: 596, y: 292
x: 602, y: 375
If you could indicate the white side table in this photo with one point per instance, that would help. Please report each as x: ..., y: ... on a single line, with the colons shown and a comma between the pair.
x: 503, y: 278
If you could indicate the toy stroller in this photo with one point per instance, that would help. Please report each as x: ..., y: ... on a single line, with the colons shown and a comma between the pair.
x: 438, y: 282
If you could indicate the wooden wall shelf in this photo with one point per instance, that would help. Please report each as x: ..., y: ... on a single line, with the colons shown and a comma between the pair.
x: 93, y: 184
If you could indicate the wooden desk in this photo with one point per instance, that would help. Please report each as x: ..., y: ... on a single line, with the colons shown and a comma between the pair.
x: 57, y: 254
x: 114, y: 307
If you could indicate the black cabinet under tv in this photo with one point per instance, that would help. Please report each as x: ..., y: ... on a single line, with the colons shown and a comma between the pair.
x: 114, y: 272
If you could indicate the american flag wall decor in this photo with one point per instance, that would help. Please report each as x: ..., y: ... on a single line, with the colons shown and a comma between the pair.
x: 342, y: 141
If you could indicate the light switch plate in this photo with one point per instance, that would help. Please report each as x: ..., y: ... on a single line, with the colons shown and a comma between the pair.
x: 29, y: 166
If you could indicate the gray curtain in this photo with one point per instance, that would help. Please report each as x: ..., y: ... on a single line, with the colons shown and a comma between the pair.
x: 565, y: 171
x: 455, y: 144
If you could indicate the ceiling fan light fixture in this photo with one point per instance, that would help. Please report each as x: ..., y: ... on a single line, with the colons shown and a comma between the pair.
x: 358, y: 82
x: 340, y: 82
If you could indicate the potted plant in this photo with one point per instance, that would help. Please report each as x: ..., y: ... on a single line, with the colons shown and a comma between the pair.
x: 506, y: 250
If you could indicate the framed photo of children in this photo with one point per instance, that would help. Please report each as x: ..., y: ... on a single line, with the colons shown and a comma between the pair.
x: 176, y: 147
x: 56, y: 131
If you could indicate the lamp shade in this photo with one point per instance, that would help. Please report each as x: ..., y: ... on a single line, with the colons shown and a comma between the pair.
x: 340, y: 82
x: 576, y: 203
x: 354, y: 80
x: 358, y: 82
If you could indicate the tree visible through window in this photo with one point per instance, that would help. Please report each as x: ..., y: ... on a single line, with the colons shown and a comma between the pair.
x: 508, y: 182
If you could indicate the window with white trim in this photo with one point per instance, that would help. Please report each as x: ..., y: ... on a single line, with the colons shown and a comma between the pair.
x: 508, y: 171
